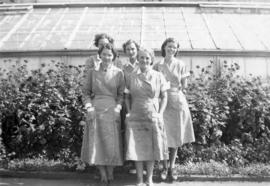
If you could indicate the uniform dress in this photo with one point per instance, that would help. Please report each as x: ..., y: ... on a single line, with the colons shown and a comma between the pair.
x: 102, y: 143
x: 128, y: 69
x: 145, y: 133
x: 177, y: 117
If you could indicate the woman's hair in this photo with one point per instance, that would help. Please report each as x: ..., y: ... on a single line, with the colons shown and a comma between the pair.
x: 103, y: 36
x: 108, y: 46
x: 168, y: 40
x: 148, y: 51
x: 128, y: 42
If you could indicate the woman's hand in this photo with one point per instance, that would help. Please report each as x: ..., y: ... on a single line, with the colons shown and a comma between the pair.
x: 91, y: 114
x: 117, y: 110
x: 158, y: 116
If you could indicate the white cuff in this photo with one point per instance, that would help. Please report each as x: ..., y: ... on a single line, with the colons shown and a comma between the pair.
x: 118, y: 108
x: 90, y: 109
x: 88, y: 105
x: 166, y: 86
x: 126, y: 91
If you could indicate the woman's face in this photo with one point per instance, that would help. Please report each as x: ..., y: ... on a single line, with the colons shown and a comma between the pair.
x: 102, y: 41
x: 131, y: 50
x: 171, y: 48
x: 106, y: 56
x: 145, y: 60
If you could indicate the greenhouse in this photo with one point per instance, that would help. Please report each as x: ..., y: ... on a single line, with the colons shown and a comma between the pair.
x: 47, y: 104
x: 206, y: 31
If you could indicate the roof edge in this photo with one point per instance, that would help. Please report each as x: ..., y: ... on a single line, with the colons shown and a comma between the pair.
x: 80, y: 52
x: 145, y: 4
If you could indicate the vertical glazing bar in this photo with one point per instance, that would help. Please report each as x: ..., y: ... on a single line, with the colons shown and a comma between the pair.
x: 35, y: 28
x: 210, y: 30
x: 182, y: 12
x: 53, y: 29
x: 75, y: 30
x: 15, y: 28
x: 142, y: 25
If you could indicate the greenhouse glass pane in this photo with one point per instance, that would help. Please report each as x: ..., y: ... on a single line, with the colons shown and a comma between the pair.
x: 197, y: 30
x: 247, y: 38
x: 221, y: 32
x: 9, y: 23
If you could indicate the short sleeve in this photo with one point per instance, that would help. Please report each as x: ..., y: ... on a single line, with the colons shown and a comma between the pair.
x: 164, y: 85
x: 87, y: 87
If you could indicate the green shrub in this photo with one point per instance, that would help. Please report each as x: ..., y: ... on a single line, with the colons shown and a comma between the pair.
x: 41, y: 111
x: 231, y: 116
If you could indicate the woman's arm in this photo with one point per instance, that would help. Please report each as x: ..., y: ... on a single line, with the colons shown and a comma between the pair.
x: 163, y: 102
x: 184, y: 82
x: 184, y: 76
x: 87, y: 89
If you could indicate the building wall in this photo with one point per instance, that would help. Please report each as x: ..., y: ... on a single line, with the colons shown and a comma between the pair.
x: 75, y: 1
x: 257, y: 66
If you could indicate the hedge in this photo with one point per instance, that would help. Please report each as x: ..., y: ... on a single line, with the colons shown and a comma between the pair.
x: 41, y: 112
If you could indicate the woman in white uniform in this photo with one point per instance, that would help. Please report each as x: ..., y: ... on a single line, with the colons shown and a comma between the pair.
x: 103, y: 96
x: 177, y: 117
x: 145, y: 133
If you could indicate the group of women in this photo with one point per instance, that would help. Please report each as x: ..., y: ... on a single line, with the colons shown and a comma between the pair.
x: 149, y: 94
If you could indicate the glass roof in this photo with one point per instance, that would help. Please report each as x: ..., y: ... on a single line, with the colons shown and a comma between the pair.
x: 74, y: 28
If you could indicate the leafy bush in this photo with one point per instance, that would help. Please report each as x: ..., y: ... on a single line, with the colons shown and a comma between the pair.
x: 41, y: 111
x: 231, y: 116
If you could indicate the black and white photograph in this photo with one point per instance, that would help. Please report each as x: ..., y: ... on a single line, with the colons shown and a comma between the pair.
x: 134, y: 93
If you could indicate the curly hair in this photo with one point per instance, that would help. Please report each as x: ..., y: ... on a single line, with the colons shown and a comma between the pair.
x: 128, y: 42
x: 103, y: 36
x: 110, y: 47
x: 168, y: 40
x: 148, y: 51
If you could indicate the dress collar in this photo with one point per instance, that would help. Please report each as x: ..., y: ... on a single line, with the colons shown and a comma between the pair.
x: 134, y: 64
x: 101, y: 68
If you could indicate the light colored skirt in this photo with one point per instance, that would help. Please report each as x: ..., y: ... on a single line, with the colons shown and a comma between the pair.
x: 145, y: 139
x: 177, y: 120
x: 102, y: 144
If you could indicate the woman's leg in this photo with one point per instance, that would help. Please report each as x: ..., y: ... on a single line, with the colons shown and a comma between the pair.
x: 172, y: 158
x: 110, y: 172
x: 164, y: 172
x: 139, y: 170
x: 150, y: 168
x: 173, y: 154
x: 103, y: 174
